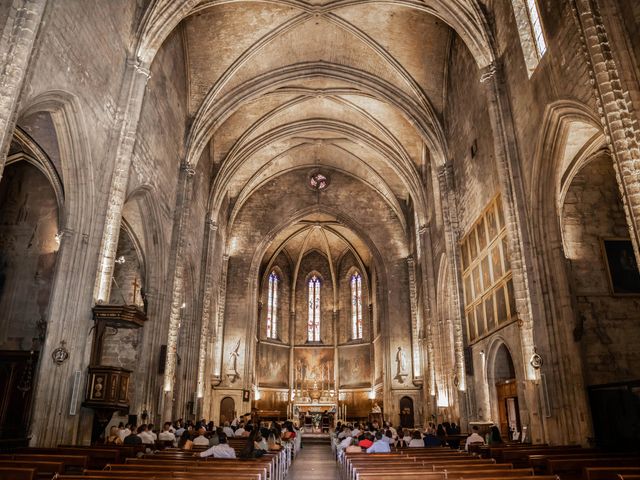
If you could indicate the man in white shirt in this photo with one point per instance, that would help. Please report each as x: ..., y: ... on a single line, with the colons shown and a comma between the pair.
x: 473, y: 438
x: 151, y: 432
x: 240, y: 431
x: 179, y: 430
x: 166, y: 435
x: 222, y: 450
x: 144, y: 435
x: 201, y: 439
x: 228, y: 431
x: 380, y: 445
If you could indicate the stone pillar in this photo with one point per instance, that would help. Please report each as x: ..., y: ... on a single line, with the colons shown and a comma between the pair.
x: 450, y: 221
x: 415, y: 326
x: 16, y: 49
x: 219, y: 324
x: 618, y: 118
x: 131, y: 97
x: 185, y: 188
x: 207, y: 280
x: 509, y: 178
x: 429, y: 302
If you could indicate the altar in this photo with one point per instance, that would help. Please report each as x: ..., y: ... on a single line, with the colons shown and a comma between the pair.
x: 315, y: 417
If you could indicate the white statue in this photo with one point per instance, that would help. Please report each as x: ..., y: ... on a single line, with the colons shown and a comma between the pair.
x: 232, y: 368
x: 401, y: 365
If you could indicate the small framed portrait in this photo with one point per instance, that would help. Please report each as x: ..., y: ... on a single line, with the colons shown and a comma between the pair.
x: 246, y: 395
x: 622, y: 269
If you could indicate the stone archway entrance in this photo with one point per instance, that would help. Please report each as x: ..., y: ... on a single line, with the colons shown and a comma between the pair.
x: 407, y: 419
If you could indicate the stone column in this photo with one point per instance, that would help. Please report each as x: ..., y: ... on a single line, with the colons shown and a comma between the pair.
x: 415, y: 324
x: 207, y: 280
x: 509, y: 178
x: 618, y: 118
x: 128, y: 117
x: 16, y: 49
x: 185, y: 188
x: 219, y: 324
x: 450, y: 221
x: 429, y: 302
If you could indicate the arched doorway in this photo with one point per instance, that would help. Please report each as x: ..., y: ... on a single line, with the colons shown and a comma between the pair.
x: 506, y: 394
x: 28, y: 252
x: 227, y: 410
x: 406, y: 413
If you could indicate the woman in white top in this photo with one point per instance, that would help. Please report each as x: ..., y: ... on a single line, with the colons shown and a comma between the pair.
x: 416, y: 440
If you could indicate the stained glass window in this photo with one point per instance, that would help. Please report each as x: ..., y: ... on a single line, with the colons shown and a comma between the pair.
x: 356, y: 306
x: 313, y: 325
x: 272, y: 306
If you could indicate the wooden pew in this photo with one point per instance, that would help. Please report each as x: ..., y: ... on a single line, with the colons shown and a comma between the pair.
x: 98, y: 456
x: 609, y: 473
x: 11, y: 473
x: 572, y: 468
x: 72, y: 463
x: 539, y: 461
x: 44, y: 470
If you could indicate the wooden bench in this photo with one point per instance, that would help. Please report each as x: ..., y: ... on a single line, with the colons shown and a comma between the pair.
x: 608, y: 473
x: 572, y: 468
x: 72, y: 463
x: 10, y: 473
x: 44, y: 470
x: 98, y: 456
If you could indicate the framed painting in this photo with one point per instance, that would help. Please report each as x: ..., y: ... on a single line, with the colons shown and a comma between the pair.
x: 622, y: 269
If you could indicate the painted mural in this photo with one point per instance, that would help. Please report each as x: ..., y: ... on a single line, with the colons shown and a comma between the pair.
x: 272, y: 368
x: 28, y: 249
x: 313, y: 366
x: 355, y: 366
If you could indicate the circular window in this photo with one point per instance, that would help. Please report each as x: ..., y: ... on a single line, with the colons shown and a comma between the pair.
x: 318, y: 181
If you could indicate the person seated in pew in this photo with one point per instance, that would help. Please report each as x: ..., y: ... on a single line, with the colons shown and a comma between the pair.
x: 251, y: 448
x: 431, y: 440
x: 132, y: 438
x: 166, y: 435
x: 228, y: 431
x: 473, y: 438
x: 367, y: 441
x: 222, y: 450
x: 388, y: 437
x: 201, y: 438
x: 113, y: 438
x: 124, y: 431
x: 416, y: 440
x: 145, y: 436
x: 151, y: 432
x: 240, y: 430
x: 494, y: 437
x: 214, y: 438
x: 353, y: 447
x: 455, y: 430
x: 380, y: 445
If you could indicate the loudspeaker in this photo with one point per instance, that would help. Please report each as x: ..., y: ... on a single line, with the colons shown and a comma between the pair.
x: 163, y: 359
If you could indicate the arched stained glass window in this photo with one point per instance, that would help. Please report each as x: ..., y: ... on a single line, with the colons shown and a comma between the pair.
x: 356, y: 306
x: 272, y: 306
x: 313, y: 325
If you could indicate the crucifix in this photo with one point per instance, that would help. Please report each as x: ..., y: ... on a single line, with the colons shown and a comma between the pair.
x: 135, y: 289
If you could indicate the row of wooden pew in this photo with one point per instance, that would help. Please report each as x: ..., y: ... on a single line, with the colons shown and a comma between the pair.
x: 507, y: 462
x: 569, y: 462
x: 128, y: 463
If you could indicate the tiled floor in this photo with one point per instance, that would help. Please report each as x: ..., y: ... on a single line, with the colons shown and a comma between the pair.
x: 314, y: 462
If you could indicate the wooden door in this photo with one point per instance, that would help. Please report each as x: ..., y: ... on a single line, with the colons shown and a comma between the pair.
x: 17, y: 371
x: 227, y: 410
x: 508, y: 408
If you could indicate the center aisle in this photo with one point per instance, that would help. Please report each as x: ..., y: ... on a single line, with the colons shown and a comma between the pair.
x: 314, y: 462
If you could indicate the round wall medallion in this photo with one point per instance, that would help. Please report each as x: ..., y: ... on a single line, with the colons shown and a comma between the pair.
x: 318, y: 181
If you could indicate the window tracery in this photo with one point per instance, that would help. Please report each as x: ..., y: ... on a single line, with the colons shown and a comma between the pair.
x: 356, y: 306
x: 313, y: 324
x: 272, y: 306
